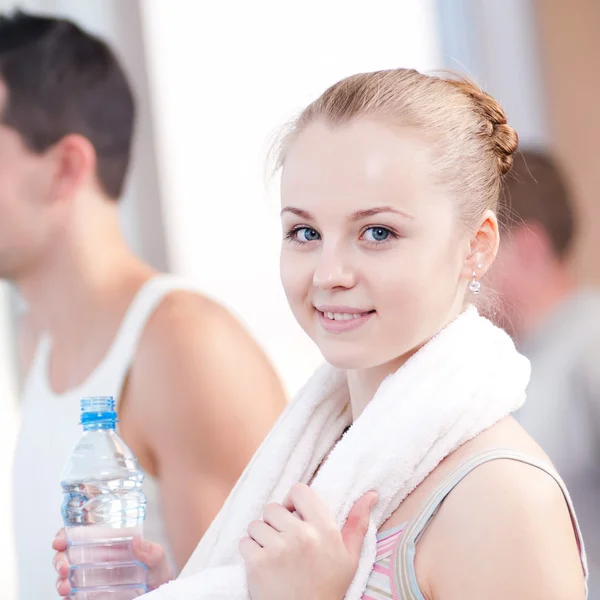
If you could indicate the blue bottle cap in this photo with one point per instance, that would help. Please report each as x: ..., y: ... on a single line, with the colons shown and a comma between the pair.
x: 98, y: 411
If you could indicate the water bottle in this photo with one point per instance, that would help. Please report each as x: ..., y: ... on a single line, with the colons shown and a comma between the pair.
x: 103, y: 509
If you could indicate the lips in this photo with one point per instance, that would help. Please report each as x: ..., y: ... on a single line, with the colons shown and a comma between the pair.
x: 342, y: 319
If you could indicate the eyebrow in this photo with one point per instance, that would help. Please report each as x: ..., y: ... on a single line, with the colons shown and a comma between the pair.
x: 303, y: 214
x: 370, y: 212
x: 355, y: 216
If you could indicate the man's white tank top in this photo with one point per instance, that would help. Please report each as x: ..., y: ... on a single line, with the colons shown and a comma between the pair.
x: 49, y: 430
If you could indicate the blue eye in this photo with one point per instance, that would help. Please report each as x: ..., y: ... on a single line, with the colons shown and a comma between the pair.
x: 305, y: 234
x: 377, y: 234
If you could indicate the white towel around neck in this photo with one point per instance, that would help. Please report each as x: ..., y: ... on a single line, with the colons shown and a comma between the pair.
x: 467, y: 378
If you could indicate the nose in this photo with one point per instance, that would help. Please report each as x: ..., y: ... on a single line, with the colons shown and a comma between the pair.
x: 332, y: 270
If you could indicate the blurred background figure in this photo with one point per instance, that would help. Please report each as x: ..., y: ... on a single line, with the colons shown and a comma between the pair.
x: 556, y: 324
x: 186, y: 376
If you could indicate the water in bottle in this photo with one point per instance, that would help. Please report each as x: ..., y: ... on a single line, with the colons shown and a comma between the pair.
x: 103, y: 509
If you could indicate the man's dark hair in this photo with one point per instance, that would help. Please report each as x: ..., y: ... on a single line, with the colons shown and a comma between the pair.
x: 536, y: 192
x: 61, y: 80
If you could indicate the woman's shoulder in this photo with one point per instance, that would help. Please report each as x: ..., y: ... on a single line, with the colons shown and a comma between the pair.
x: 505, y: 434
x: 504, y: 530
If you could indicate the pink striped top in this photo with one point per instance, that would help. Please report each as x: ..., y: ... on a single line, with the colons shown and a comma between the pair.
x: 379, y: 586
x: 393, y: 576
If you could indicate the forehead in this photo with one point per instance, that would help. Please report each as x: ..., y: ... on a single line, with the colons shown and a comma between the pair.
x: 356, y: 165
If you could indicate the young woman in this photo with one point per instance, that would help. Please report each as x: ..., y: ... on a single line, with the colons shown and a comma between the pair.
x: 411, y: 481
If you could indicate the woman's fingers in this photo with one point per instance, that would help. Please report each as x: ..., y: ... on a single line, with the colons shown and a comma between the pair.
x: 264, y: 535
x: 63, y: 588
x: 303, y: 500
x: 60, y: 541
x: 155, y: 558
x: 61, y: 565
x: 280, y: 518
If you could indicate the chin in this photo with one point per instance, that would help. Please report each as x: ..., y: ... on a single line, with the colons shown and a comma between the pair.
x: 349, y: 358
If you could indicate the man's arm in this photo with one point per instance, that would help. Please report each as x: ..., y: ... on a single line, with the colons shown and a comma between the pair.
x: 201, y: 396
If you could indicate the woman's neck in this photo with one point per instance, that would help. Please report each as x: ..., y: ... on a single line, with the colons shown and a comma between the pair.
x: 364, y: 383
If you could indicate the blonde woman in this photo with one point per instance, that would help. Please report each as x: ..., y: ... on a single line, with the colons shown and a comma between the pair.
x: 410, y: 480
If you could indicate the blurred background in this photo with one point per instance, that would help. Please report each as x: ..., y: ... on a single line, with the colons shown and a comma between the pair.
x: 214, y: 80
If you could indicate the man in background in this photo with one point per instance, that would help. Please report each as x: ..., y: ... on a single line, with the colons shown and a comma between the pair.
x: 195, y: 394
x: 556, y: 324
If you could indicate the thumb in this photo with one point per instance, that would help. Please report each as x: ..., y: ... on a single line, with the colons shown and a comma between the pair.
x: 355, y: 529
x: 154, y: 557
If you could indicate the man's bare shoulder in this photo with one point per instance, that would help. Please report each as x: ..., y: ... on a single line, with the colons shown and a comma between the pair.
x: 201, y: 396
x: 183, y: 314
x: 197, y: 364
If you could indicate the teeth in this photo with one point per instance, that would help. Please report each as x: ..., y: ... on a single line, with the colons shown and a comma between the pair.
x: 343, y: 316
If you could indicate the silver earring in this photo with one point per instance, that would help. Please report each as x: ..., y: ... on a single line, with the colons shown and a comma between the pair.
x: 475, y: 286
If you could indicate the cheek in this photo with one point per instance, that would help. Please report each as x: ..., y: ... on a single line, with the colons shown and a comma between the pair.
x: 18, y: 192
x: 419, y: 271
x: 296, y: 274
x: 410, y: 293
x: 417, y: 293
x: 13, y: 214
x: 22, y: 210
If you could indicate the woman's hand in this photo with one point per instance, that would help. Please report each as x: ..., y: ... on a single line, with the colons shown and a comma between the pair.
x: 297, y: 551
x: 151, y: 554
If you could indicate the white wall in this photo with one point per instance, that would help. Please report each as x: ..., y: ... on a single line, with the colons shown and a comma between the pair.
x: 224, y: 75
x: 8, y: 429
x: 497, y: 44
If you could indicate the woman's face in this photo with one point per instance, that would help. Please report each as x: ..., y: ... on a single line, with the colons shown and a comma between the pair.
x: 373, y: 261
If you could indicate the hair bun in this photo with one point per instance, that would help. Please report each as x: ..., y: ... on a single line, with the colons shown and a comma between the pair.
x: 504, y: 138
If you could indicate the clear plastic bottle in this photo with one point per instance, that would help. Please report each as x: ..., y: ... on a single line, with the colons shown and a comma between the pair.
x: 103, y: 509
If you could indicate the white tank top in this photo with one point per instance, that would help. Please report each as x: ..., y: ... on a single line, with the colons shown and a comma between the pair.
x: 49, y: 430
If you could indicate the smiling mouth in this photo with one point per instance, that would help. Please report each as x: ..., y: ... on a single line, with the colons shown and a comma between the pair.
x: 344, y: 316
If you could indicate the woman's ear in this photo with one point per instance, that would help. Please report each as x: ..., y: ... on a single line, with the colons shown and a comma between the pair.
x: 483, y: 247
